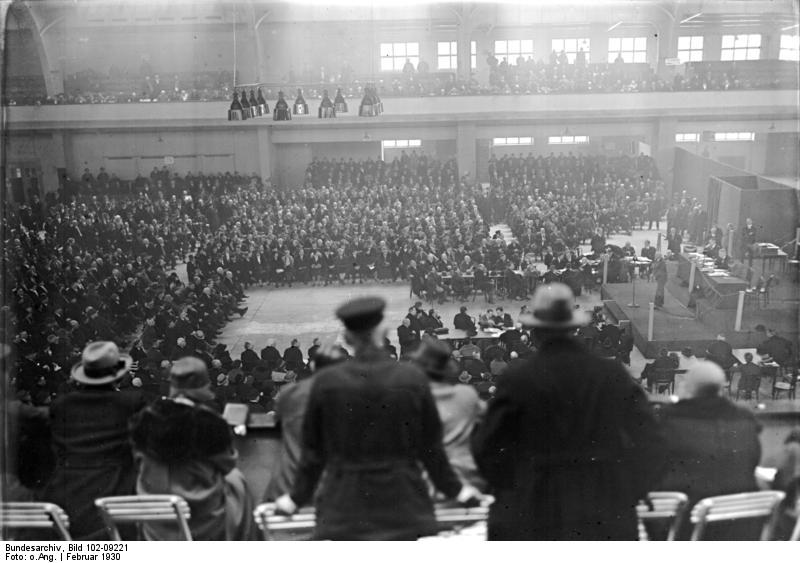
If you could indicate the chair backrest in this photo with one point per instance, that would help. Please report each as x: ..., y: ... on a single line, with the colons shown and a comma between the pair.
x: 762, y: 504
x: 35, y: 515
x: 669, y: 506
x: 452, y: 518
x: 796, y: 532
x: 144, y: 508
x: 664, y: 375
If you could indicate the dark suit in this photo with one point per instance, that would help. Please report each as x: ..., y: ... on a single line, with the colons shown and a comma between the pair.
x: 462, y: 321
x: 249, y: 359
x: 273, y: 358
x: 408, y: 339
x: 569, y: 444
x: 293, y: 357
x: 369, y: 423
x: 721, y: 353
x: 674, y: 243
x: 90, y: 436
x: 712, y: 449
x: 778, y: 348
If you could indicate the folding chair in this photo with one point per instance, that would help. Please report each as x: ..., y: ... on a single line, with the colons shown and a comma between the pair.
x: 796, y: 532
x: 762, y: 504
x: 664, y: 381
x: 297, y: 526
x: 303, y: 522
x: 35, y: 516
x: 666, y: 506
x: 144, y: 508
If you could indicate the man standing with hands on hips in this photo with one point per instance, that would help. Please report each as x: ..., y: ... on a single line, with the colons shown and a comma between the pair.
x: 370, y: 423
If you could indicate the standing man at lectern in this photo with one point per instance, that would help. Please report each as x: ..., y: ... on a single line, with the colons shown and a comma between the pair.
x: 660, y: 275
x: 748, y: 241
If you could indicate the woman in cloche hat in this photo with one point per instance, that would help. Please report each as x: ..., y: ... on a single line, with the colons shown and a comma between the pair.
x: 459, y: 407
x: 89, y: 429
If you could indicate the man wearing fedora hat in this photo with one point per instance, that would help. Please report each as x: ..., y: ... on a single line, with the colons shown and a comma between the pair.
x: 89, y: 428
x: 577, y: 427
x: 371, y: 423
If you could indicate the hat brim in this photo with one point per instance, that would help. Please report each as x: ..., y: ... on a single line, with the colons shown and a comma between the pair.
x: 198, y: 394
x: 578, y: 319
x: 79, y: 375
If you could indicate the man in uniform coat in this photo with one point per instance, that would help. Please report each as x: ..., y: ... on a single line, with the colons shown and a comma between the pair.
x: 370, y: 424
x: 569, y: 443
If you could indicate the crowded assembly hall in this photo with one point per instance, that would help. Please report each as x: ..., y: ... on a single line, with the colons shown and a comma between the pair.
x: 362, y: 270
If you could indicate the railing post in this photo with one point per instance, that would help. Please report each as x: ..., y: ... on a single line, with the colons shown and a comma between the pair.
x: 650, y: 322
x: 605, y: 269
x: 692, y: 272
x: 739, y: 309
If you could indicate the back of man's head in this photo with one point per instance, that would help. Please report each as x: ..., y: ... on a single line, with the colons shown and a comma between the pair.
x: 705, y: 379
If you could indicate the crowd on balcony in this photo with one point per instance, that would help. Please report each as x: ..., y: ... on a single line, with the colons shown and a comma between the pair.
x: 519, y: 76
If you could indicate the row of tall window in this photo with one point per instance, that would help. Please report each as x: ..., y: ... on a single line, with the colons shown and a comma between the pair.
x: 723, y: 136
x: 577, y: 140
x: 552, y: 140
x: 743, y: 47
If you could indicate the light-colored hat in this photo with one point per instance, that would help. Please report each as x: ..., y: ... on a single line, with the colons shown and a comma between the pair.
x: 101, y: 364
x: 189, y: 377
x: 553, y: 307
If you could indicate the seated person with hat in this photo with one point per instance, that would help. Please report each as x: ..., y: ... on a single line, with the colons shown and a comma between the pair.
x: 459, y: 408
x: 184, y: 447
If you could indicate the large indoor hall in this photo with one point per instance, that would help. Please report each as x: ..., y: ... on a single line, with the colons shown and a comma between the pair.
x: 434, y: 271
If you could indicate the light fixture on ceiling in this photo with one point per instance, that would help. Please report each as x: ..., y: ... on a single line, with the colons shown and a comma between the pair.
x: 281, y: 111
x: 326, y: 108
x: 244, y: 107
x: 788, y: 27
x: 366, y: 137
x: 772, y: 126
x: 371, y: 105
x: 339, y: 103
x: 615, y: 26
x: 300, y: 105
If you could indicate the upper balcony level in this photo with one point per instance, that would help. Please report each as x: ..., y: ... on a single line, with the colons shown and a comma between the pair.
x: 780, y: 104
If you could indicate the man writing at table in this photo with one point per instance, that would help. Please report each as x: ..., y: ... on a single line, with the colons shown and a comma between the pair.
x: 776, y: 347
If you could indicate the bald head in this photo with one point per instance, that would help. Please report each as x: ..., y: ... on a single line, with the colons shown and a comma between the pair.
x: 704, y: 379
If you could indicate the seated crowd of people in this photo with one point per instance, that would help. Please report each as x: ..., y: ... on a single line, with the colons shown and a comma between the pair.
x: 89, y: 267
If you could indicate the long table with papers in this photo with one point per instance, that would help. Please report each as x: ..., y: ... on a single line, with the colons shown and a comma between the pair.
x: 718, y: 286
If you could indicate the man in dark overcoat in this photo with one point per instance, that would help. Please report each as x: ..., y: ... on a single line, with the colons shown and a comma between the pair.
x: 89, y: 428
x: 371, y: 425
x: 712, y: 447
x: 569, y: 444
